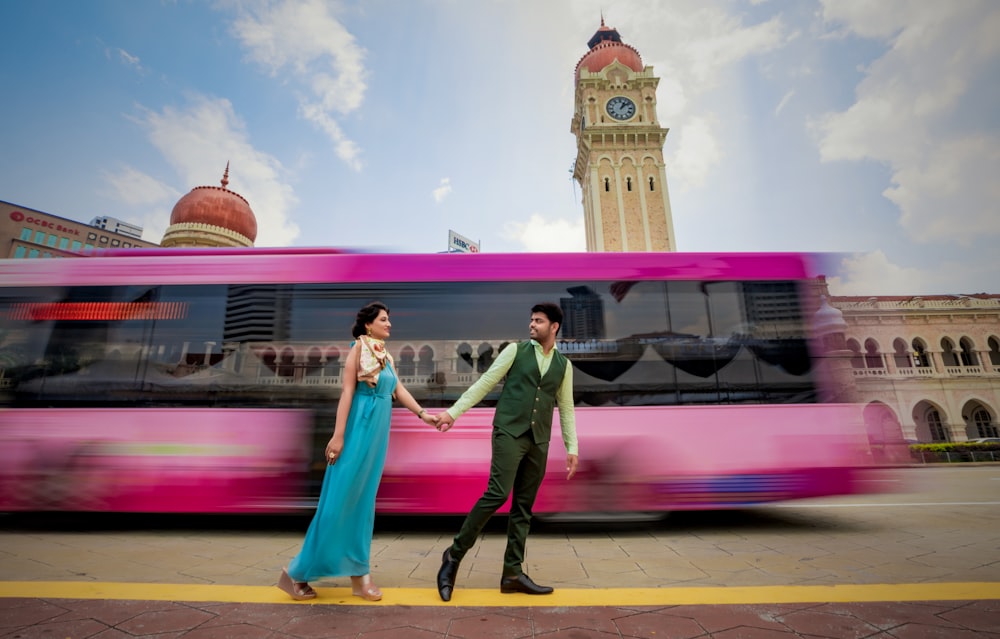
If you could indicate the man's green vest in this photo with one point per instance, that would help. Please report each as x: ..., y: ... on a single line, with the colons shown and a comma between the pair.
x: 528, y: 399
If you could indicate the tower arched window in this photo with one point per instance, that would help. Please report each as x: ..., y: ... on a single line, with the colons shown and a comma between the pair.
x: 651, y: 183
x: 607, y: 184
x: 628, y: 183
x: 938, y: 433
x: 967, y: 353
x: 920, y: 356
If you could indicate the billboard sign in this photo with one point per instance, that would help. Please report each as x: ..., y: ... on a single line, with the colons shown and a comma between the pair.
x: 461, y: 244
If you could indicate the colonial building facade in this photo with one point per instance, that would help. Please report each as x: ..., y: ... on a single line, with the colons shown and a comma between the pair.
x: 926, y: 366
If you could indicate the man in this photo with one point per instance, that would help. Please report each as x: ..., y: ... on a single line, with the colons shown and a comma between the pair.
x: 538, y: 378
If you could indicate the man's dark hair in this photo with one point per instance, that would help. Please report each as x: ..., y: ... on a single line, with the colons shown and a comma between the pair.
x: 551, y: 311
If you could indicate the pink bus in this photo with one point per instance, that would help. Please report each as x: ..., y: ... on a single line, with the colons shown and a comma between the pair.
x: 207, y: 380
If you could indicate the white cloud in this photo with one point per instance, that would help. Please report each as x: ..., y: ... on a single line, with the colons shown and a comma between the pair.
x: 539, y: 235
x: 694, y: 48
x: 784, y: 101
x: 302, y: 37
x: 148, y: 199
x: 131, y: 60
x: 135, y: 188
x: 874, y: 274
x: 200, y: 140
x: 912, y: 112
x: 442, y: 191
x: 698, y: 150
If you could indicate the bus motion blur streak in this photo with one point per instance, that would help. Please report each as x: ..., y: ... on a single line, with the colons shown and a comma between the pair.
x: 206, y: 380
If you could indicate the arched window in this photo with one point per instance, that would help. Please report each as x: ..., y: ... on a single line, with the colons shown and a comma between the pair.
x: 938, y: 433
x: 967, y: 354
x: 268, y: 359
x: 994, y: 351
x: 984, y: 423
x: 286, y: 366
x: 873, y: 359
x: 485, y: 357
x: 425, y: 365
x: 314, y: 363
x: 464, y: 364
x: 628, y: 182
x: 651, y: 183
x: 920, y: 356
x: 900, y: 356
x: 857, y: 361
x: 332, y: 366
x: 948, y: 355
x: 607, y: 184
x: 406, y: 364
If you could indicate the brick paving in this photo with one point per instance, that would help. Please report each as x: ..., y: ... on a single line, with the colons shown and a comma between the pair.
x: 115, y: 619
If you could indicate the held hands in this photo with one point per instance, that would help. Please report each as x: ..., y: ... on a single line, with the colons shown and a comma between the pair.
x: 444, y: 421
x: 429, y: 419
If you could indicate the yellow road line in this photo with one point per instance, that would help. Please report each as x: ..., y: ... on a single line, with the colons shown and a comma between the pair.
x: 488, y: 597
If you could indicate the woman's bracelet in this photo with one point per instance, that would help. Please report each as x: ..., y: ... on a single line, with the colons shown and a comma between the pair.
x: 421, y: 413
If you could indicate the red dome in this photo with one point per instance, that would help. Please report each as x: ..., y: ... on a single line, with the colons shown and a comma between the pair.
x: 606, y: 46
x: 216, y: 206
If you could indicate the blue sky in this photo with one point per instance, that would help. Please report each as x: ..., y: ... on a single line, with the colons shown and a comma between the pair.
x: 869, y: 128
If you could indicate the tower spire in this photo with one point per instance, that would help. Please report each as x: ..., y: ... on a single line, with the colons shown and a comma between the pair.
x: 225, y: 176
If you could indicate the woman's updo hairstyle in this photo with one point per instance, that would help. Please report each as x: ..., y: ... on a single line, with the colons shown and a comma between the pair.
x: 367, y: 315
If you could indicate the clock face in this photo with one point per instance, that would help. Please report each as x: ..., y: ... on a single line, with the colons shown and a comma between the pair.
x: 621, y: 108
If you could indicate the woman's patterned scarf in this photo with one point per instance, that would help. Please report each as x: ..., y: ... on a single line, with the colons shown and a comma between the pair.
x: 373, y: 359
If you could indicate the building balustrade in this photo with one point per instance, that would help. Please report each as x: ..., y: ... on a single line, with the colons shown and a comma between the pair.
x: 927, y: 371
x: 915, y: 371
x: 964, y: 370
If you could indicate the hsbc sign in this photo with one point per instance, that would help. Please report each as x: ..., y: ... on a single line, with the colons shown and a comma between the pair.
x: 460, y: 244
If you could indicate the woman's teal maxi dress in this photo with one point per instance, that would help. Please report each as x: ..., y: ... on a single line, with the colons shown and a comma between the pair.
x: 338, y: 542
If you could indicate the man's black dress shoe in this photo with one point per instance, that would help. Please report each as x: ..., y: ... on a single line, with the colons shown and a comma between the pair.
x: 523, y: 583
x: 446, y: 576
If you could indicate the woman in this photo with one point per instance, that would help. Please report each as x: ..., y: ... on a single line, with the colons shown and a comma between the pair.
x: 338, y: 542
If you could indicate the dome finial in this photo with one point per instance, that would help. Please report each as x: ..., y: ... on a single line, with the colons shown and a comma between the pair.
x: 602, y: 17
x: 225, y: 176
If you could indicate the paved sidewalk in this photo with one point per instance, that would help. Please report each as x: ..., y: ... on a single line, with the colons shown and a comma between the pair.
x: 915, y: 566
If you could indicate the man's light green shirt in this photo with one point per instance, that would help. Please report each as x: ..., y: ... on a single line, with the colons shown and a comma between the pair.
x: 496, y: 372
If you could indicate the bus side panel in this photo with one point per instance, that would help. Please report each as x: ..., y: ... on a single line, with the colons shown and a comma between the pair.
x: 644, y: 459
x: 152, y: 459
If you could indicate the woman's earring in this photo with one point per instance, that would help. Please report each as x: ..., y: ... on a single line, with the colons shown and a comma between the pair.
x: 369, y: 329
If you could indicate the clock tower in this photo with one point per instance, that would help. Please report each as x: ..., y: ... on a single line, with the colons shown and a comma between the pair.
x: 619, y: 159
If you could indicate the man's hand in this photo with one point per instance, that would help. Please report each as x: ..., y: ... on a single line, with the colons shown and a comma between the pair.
x: 444, y: 421
x: 571, y: 463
